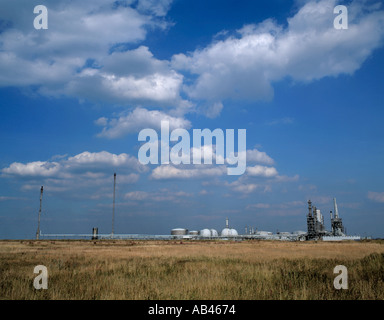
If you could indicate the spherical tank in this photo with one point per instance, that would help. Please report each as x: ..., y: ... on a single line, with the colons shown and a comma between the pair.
x: 226, y: 232
x: 214, y: 233
x: 206, y: 233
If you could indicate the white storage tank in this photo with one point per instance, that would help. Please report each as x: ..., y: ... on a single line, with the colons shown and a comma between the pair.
x: 264, y: 233
x: 205, y: 233
x: 194, y: 233
x: 214, y: 233
x: 226, y: 232
x: 179, y: 232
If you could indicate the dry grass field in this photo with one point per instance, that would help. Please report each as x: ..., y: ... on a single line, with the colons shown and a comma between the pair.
x: 191, y: 270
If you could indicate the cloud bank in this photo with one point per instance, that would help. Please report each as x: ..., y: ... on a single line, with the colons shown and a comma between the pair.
x: 94, y: 50
x: 244, y: 66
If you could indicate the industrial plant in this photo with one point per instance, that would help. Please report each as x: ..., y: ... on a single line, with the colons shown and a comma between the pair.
x: 315, y: 229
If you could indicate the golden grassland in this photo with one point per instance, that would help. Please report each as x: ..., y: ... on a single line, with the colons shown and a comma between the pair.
x: 191, y: 270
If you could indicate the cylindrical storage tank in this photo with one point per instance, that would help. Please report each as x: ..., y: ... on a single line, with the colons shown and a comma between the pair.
x: 194, y: 233
x: 214, y: 233
x: 205, y: 233
x: 264, y: 233
x: 179, y: 232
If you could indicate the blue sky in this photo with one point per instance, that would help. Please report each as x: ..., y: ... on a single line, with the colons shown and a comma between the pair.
x: 74, y: 97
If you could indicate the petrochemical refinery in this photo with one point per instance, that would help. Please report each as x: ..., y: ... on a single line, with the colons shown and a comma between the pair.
x: 315, y: 229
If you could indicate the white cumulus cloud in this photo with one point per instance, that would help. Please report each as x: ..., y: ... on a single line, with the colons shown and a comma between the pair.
x: 138, y: 119
x: 245, y: 65
x: 83, y: 52
x: 262, y: 171
x: 171, y: 172
x: 255, y: 155
x: 33, y: 169
x: 87, y: 169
